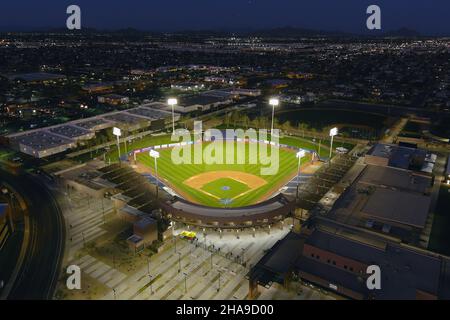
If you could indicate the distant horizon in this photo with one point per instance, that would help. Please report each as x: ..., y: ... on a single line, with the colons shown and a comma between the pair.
x: 249, y: 30
x: 428, y: 18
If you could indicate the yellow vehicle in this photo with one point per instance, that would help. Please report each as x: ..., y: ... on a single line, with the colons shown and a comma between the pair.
x: 188, y: 235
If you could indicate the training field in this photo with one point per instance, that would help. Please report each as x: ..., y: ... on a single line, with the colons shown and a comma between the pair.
x: 223, y: 185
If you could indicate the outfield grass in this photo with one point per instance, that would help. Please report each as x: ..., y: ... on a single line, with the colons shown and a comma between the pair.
x: 305, y: 143
x: 177, y: 174
x: 146, y: 141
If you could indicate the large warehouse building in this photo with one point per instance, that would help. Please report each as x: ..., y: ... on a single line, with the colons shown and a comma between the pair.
x: 381, y: 218
x: 44, y: 142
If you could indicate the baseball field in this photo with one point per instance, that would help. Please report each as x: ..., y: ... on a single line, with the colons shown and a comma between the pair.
x: 223, y: 185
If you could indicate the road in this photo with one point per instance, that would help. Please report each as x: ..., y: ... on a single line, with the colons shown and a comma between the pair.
x: 395, y: 131
x: 38, y: 274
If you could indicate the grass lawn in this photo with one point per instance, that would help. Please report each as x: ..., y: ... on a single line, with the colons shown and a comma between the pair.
x: 305, y: 143
x: 177, y: 174
x: 144, y: 142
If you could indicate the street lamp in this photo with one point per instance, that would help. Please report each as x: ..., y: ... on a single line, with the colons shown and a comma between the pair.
x: 300, y: 154
x: 333, y: 132
x: 117, y: 132
x: 274, y: 102
x: 185, y: 282
x: 150, y: 282
x: 172, y: 102
x: 218, y: 288
x: 155, y: 154
x: 211, y: 260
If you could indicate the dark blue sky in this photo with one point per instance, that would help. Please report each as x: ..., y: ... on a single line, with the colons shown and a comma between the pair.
x: 426, y: 16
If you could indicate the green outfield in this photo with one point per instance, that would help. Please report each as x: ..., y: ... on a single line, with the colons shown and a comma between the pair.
x: 230, y: 185
x: 304, y: 143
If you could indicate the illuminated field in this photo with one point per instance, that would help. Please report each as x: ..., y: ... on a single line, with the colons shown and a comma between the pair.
x: 220, y: 185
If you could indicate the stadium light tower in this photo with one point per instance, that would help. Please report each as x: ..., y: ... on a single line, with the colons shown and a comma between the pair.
x: 300, y: 154
x: 172, y: 102
x: 155, y: 154
x: 274, y: 102
x: 117, y: 132
x: 333, y: 132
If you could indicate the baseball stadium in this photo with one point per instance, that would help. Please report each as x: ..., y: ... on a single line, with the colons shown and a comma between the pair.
x: 224, y: 195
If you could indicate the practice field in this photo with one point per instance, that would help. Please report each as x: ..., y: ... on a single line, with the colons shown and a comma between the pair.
x: 223, y: 185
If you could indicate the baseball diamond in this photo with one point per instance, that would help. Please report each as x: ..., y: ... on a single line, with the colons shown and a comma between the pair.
x: 223, y: 185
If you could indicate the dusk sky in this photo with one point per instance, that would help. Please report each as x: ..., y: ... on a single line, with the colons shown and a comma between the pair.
x: 425, y: 16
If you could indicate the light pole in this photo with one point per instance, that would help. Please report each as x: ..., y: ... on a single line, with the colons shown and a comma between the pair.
x: 185, y: 282
x: 218, y: 288
x: 117, y: 132
x: 274, y: 102
x: 173, y: 102
x: 150, y: 282
x: 300, y: 154
x: 333, y: 132
x: 211, y: 260
x: 103, y: 210
x: 179, y: 262
x: 155, y: 154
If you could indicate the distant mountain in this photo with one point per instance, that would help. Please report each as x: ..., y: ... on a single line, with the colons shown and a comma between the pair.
x: 281, y: 32
x: 294, y: 32
x: 402, y: 33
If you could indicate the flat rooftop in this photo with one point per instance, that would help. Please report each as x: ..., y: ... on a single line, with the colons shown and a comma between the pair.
x: 395, y: 178
x: 399, y: 156
x: 91, y: 123
x: 41, y: 140
x: 400, y: 207
x: 149, y: 113
x: 387, y: 201
x: 404, y: 269
x: 123, y: 117
x: 200, y: 99
x: 70, y: 131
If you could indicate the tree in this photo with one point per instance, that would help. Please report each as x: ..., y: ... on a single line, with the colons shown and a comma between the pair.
x: 246, y: 121
x: 303, y: 127
x: 286, y: 125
